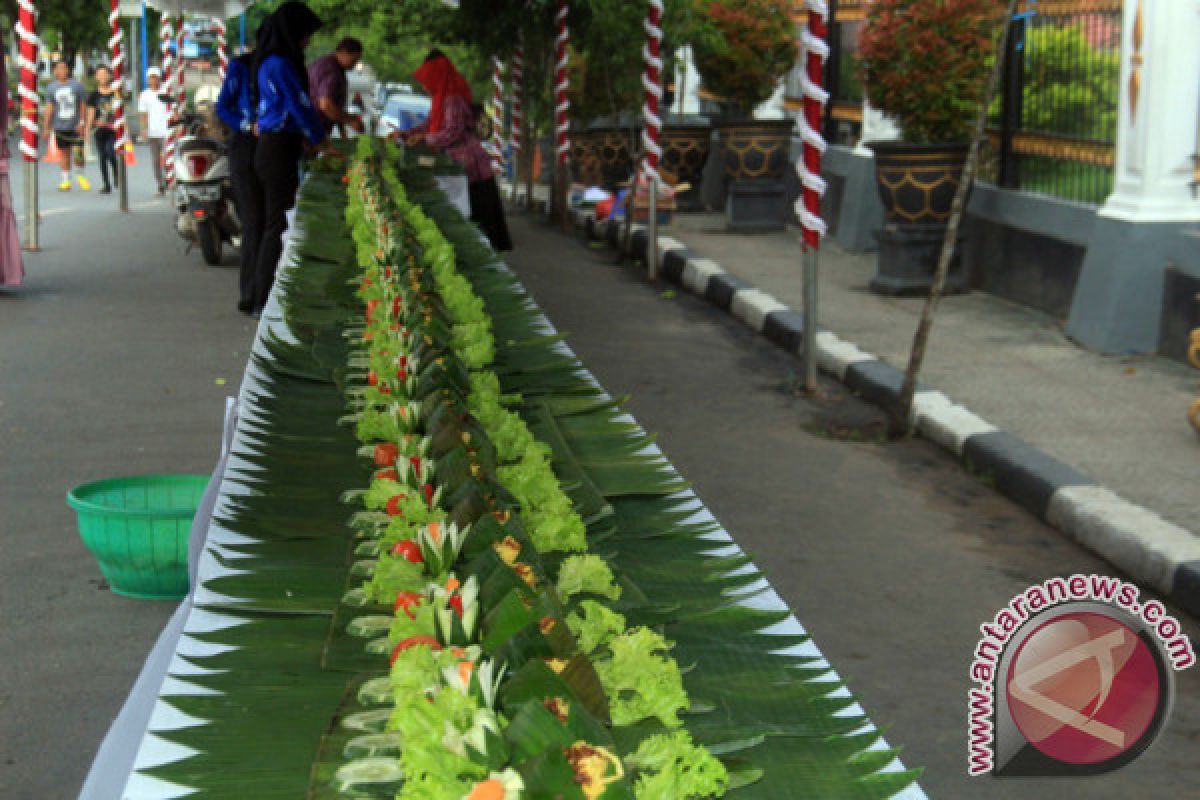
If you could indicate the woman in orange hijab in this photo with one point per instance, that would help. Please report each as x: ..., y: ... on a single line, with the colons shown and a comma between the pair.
x: 451, y: 129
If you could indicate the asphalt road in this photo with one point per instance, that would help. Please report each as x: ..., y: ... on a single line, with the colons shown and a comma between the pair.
x: 117, y: 355
x: 889, y: 553
x: 110, y: 361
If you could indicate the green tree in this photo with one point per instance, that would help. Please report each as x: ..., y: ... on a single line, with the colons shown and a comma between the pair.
x: 1071, y: 86
x: 76, y: 26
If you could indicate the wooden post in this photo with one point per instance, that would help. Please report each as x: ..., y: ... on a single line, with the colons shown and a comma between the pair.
x: 905, y: 420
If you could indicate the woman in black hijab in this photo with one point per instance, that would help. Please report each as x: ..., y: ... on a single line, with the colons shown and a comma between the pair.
x: 286, y: 120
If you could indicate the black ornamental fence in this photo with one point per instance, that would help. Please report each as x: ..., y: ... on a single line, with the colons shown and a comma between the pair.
x: 1052, y: 129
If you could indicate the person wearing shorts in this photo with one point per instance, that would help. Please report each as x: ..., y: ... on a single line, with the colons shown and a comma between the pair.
x: 64, y: 115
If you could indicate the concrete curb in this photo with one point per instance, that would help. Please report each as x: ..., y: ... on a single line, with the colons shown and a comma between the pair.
x: 1153, y: 551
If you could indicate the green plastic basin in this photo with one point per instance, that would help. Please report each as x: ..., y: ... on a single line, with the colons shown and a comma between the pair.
x: 138, y: 529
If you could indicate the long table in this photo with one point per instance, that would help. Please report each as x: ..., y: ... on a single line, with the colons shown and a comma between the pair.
x: 133, y: 742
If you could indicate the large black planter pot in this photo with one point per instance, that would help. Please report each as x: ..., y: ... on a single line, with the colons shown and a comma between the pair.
x: 756, y: 160
x: 917, y: 184
x: 685, y: 149
x: 585, y: 158
x: 614, y: 149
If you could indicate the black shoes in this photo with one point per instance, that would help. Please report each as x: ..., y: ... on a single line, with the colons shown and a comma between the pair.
x: 245, y: 306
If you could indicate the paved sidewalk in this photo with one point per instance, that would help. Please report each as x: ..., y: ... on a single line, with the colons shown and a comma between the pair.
x: 1120, y: 420
x: 116, y: 357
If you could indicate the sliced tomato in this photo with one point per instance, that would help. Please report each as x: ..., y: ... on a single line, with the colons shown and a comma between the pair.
x: 393, y: 508
x: 386, y: 455
x: 414, y: 641
x: 409, y: 550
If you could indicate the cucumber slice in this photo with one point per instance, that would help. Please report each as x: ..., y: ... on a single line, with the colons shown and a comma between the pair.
x: 356, y: 598
x: 380, y: 647
x: 376, y: 691
x: 369, y: 777
x: 373, y: 744
x: 369, y: 549
x: 363, y: 569
x: 368, y: 721
x: 369, y: 626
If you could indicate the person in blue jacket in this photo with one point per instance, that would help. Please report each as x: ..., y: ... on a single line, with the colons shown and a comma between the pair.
x: 236, y: 108
x: 286, y: 121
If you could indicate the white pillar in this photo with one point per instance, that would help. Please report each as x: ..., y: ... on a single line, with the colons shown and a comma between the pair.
x: 1157, y: 115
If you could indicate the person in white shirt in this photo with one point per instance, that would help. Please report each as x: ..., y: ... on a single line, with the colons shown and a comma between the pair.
x: 154, y: 111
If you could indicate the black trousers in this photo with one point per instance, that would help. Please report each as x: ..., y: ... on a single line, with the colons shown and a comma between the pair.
x: 106, y: 152
x: 487, y: 211
x: 277, y: 164
x: 248, y: 196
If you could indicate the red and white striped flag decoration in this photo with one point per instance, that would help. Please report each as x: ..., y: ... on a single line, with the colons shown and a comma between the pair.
x: 652, y: 82
x: 27, y: 58
x: 496, y: 114
x: 166, y: 37
x: 115, y: 40
x: 815, y: 51
x: 518, y: 110
x: 562, y: 84
x: 222, y: 49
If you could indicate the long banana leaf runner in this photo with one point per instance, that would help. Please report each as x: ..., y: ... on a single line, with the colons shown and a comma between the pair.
x: 266, y: 673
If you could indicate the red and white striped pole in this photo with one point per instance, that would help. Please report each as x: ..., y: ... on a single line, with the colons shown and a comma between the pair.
x: 30, y: 101
x: 222, y: 49
x: 518, y: 109
x: 652, y: 127
x: 176, y: 88
x: 166, y: 37
x: 652, y: 82
x: 815, y: 50
x: 180, y: 87
x: 562, y: 84
x: 496, y: 113
x: 30, y: 105
x: 115, y: 40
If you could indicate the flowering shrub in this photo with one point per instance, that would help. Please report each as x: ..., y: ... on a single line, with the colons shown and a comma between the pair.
x: 744, y: 48
x: 927, y: 62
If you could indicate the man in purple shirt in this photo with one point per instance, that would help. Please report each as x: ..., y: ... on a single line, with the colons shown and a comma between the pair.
x: 328, y: 86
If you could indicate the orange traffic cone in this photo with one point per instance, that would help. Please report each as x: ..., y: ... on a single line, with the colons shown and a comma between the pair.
x: 130, y: 158
x: 53, y: 156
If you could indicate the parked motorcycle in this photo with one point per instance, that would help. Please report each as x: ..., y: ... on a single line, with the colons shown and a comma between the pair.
x: 204, y: 193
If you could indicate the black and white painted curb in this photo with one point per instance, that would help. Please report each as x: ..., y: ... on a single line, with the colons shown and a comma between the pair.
x: 1153, y: 551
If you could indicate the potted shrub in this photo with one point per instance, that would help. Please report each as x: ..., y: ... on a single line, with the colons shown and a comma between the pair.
x: 743, y: 49
x: 926, y: 64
